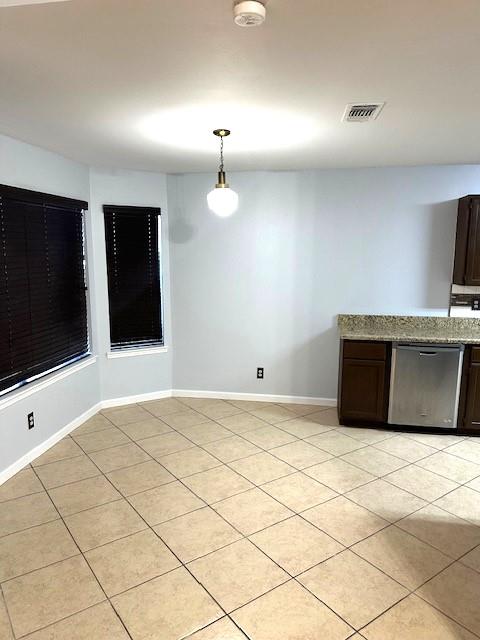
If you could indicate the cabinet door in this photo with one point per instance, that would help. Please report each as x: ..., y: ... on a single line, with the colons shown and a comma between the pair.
x: 363, y: 390
x: 472, y: 404
x: 472, y: 272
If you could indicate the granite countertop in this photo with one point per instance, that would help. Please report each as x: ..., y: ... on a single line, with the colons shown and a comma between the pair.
x: 410, y: 329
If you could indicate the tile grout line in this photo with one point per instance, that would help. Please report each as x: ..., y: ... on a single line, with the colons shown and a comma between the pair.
x: 226, y: 464
x: 9, y: 618
x: 91, y: 571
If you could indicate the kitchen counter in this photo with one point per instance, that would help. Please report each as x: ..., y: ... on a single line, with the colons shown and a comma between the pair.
x: 429, y: 329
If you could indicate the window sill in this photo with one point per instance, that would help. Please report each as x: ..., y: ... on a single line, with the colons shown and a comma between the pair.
x: 45, y: 381
x: 131, y: 353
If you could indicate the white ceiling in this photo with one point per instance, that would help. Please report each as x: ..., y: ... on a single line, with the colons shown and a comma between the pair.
x: 140, y: 83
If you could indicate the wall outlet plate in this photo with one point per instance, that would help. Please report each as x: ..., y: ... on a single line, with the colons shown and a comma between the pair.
x: 30, y: 420
x: 260, y: 373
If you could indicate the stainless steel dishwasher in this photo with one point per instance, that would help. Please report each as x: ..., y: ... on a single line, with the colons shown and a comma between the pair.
x: 425, y: 385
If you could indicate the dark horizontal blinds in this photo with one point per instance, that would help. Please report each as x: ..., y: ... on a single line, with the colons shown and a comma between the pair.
x: 133, y: 265
x: 43, y: 312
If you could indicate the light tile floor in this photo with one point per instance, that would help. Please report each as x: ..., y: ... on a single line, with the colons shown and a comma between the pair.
x: 213, y: 520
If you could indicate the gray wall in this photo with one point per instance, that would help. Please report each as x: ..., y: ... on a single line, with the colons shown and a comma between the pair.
x: 23, y: 165
x: 138, y: 374
x: 59, y: 404
x: 263, y: 287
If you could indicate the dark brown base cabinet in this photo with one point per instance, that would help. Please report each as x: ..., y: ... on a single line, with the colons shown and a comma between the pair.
x: 469, y: 407
x: 364, y: 386
x: 364, y: 381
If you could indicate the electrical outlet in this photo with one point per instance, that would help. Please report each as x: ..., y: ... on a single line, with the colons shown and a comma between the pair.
x: 260, y: 373
x: 30, y: 420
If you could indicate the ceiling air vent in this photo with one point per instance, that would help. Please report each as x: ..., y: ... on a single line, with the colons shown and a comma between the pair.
x: 362, y: 112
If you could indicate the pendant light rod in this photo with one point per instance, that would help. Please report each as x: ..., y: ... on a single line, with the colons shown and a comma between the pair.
x: 222, y: 183
x: 223, y: 201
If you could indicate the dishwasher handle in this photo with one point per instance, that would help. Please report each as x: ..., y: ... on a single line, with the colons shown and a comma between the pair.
x: 426, y: 350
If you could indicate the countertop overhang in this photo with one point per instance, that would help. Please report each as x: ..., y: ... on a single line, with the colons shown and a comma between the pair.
x: 428, y: 329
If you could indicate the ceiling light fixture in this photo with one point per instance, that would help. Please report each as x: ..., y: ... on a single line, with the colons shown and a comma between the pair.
x: 223, y: 201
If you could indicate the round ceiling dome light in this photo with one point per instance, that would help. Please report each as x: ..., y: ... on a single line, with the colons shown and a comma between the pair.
x: 249, y: 13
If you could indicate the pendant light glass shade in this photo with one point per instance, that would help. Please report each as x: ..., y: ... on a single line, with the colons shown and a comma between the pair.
x: 223, y: 201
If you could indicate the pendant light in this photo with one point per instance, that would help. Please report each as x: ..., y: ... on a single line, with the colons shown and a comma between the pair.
x: 223, y: 201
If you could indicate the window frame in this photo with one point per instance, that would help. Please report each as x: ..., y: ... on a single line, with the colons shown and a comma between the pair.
x: 136, y: 348
x: 42, y: 198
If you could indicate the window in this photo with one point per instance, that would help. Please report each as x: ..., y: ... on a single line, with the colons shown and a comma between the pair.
x: 133, y: 266
x: 43, y: 307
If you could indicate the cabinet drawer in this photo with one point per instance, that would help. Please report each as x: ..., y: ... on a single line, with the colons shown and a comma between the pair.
x: 366, y: 350
x: 475, y: 354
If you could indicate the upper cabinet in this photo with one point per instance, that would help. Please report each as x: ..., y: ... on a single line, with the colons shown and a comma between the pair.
x: 466, y: 269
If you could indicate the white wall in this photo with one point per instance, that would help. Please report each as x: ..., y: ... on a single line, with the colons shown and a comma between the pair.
x: 264, y: 287
x: 137, y: 374
x: 29, y: 167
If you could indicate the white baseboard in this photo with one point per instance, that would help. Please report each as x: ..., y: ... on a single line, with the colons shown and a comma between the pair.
x: 145, y: 397
x: 47, y: 444
x: 259, y: 397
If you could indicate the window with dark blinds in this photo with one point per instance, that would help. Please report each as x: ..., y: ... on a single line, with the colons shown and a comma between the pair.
x: 133, y: 266
x: 43, y: 308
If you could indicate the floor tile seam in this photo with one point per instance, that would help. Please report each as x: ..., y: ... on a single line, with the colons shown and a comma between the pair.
x: 430, y: 501
x: 99, y: 429
x: 439, y: 475
x: 82, y: 553
x: 271, y: 496
x: 25, y: 495
x: 71, y: 615
x: 406, y: 464
x: 47, y: 464
x: 337, y: 455
x: 194, y: 445
x: 159, y: 417
x: 220, y: 462
x: 464, y: 482
x: 435, y: 606
x: 44, y: 566
x: 450, y: 513
x: 7, y: 612
x: 449, y: 555
x: 235, y: 459
x: 449, y: 564
x: 393, y: 524
x: 136, y: 493
x: 95, y: 506
x: 181, y: 565
x: 459, y: 486
x: 411, y: 436
x: 154, y: 435
x: 363, y: 627
x: 127, y: 466
x: 113, y: 446
x: 445, y: 450
x: 291, y: 473
x: 229, y: 523
x: 67, y: 484
x: 76, y: 555
x: 239, y: 532
x: 476, y: 547
x: 33, y: 526
x: 375, y: 446
x: 189, y: 636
